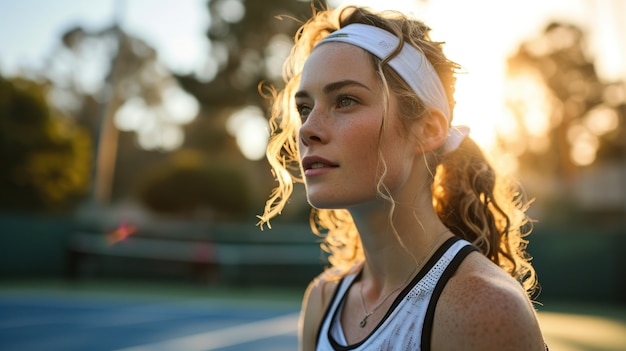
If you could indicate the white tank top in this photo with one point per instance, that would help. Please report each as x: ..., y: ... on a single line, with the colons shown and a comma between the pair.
x: 407, y: 325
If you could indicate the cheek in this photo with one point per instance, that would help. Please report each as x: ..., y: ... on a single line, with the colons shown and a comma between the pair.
x: 398, y: 157
x: 365, y: 144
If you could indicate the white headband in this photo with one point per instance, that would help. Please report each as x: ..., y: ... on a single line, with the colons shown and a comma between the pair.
x: 409, y: 63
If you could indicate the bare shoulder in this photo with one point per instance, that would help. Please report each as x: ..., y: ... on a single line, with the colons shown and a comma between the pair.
x: 483, y: 308
x: 315, y: 302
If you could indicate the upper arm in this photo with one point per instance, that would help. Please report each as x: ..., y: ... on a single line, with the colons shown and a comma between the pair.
x: 314, y: 304
x: 485, y: 311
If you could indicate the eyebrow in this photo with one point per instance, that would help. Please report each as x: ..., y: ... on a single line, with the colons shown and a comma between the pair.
x: 331, y: 87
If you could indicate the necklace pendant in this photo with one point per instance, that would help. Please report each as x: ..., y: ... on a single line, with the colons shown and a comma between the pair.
x: 363, y: 321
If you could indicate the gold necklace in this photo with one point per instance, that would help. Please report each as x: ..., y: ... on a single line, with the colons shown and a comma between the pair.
x: 367, y: 314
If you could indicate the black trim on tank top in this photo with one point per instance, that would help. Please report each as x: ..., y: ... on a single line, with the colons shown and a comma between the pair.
x: 420, y: 275
x: 427, y: 329
x: 330, y: 306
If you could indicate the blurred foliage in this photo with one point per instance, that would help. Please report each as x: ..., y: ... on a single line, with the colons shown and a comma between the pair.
x: 139, y: 88
x: 247, y: 37
x: 569, y: 131
x: 46, y: 159
x: 133, y: 74
x: 139, y: 74
x: 586, y: 115
x: 186, y: 183
x: 249, y: 41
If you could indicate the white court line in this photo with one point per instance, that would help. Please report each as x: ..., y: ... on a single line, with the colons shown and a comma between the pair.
x: 215, y: 339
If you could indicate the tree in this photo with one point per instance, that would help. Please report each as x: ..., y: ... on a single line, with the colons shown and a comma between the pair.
x: 139, y: 95
x: 579, y: 119
x: 249, y: 40
x: 568, y: 130
x: 44, y: 156
x: 186, y: 184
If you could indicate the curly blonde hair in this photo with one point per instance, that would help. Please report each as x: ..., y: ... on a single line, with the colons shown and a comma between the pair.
x: 470, y: 198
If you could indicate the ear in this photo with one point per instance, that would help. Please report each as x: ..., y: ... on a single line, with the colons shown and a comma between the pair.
x: 430, y: 131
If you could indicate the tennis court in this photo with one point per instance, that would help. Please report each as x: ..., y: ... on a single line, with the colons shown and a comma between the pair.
x: 133, y: 316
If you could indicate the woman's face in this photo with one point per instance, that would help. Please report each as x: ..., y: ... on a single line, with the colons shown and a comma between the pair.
x: 340, y: 101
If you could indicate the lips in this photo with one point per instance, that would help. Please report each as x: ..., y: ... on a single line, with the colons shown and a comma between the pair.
x: 315, y: 162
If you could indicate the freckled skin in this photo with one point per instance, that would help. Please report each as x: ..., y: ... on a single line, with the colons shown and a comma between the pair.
x: 347, y: 133
x: 483, y: 308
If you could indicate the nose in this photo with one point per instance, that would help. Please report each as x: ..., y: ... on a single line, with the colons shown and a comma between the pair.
x: 314, y: 129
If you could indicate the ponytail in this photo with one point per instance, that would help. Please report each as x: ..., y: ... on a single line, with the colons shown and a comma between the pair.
x: 485, y: 209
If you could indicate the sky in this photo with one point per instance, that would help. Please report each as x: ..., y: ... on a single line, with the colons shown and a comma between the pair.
x: 175, y: 28
x: 479, y: 34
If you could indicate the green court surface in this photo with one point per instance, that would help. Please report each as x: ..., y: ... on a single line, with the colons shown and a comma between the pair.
x: 159, y: 316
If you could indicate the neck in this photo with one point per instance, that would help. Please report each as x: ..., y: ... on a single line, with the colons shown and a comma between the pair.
x: 394, y: 248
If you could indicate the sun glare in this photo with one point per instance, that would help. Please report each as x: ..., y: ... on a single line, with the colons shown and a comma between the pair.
x: 477, y: 105
x: 486, y: 98
x: 158, y: 126
x: 479, y: 87
x: 251, y: 131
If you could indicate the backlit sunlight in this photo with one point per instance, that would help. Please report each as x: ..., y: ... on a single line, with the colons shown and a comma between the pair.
x: 481, y: 51
x: 528, y: 117
x: 482, y: 44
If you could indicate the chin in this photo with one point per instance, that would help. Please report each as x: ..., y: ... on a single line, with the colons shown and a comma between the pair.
x: 334, y: 203
x: 323, y: 203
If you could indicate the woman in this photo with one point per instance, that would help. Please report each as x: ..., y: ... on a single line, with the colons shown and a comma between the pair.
x: 425, y: 242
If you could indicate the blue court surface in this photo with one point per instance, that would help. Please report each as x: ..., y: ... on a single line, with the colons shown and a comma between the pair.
x: 87, y: 319
x: 57, y: 316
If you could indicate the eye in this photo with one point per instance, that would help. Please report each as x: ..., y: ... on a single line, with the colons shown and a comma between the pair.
x: 304, y: 110
x: 345, y: 101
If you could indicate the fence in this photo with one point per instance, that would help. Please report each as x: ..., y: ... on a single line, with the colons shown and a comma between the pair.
x: 573, y: 265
